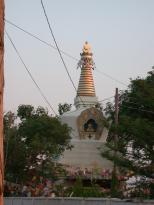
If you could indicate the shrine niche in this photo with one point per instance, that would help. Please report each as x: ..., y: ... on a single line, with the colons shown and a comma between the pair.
x: 90, y: 124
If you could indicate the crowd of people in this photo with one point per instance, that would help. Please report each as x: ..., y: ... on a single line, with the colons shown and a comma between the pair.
x: 88, y: 173
x: 30, y: 189
x: 41, y: 187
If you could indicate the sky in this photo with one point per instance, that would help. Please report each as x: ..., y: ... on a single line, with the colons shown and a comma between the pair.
x: 120, y: 32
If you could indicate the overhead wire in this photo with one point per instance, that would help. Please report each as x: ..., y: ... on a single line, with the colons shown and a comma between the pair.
x: 140, y: 109
x: 61, y: 57
x: 29, y: 73
x: 41, y: 92
x: 134, y: 103
x: 105, y: 99
x: 39, y: 39
x: 136, y: 99
x: 65, y: 53
x: 48, y: 44
x: 62, y: 51
x: 109, y: 76
x: 143, y: 110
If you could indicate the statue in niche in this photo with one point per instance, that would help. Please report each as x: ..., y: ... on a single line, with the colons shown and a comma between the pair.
x: 90, y: 126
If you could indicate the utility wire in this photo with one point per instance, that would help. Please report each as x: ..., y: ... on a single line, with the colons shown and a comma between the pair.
x: 39, y: 39
x: 106, y: 98
x: 65, y: 53
x: 48, y: 44
x: 134, y: 99
x: 61, y: 57
x: 134, y: 103
x: 148, y: 111
x: 109, y: 76
x: 143, y: 110
x: 29, y: 73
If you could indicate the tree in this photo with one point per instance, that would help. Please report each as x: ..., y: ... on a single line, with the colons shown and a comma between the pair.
x: 135, y: 131
x: 14, y: 150
x: 25, y: 111
x: 42, y: 138
x: 62, y: 108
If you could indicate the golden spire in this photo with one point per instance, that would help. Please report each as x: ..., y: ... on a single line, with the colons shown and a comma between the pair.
x: 86, y: 83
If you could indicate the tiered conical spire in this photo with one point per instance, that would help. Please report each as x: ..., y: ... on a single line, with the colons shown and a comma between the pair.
x: 86, y: 91
x: 86, y: 83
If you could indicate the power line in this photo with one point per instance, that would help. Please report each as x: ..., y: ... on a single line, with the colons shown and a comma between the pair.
x: 60, y: 52
x: 65, y: 53
x: 142, y: 110
x: 29, y: 73
x: 134, y: 103
x: 134, y: 98
x: 109, y: 76
x: 106, y: 98
x: 149, y: 111
x: 48, y: 44
x: 61, y: 57
x: 39, y: 39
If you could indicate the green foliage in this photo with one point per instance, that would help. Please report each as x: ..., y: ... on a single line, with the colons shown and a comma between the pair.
x: 34, y: 143
x: 14, y: 156
x: 25, y: 111
x: 14, y: 149
x: 78, y: 190
x: 9, y: 120
x: 135, y: 131
x: 114, y: 185
x: 62, y: 108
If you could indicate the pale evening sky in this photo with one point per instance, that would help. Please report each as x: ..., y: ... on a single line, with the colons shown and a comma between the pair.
x: 121, y: 34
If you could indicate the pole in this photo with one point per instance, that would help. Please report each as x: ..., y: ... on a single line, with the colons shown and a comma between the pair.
x: 114, y: 185
x: 1, y: 97
x: 116, y: 107
x: 116, y: 124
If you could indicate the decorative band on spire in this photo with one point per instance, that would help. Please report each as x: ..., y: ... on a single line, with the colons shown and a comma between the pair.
x: 86, y: 63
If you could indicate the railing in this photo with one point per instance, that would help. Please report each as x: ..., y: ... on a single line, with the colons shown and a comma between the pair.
x: 71, y: 201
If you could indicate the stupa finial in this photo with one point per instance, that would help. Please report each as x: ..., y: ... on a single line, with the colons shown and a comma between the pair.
x: 86, y: 48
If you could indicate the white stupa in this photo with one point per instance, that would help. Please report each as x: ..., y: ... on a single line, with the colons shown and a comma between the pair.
x: 88, y: 133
